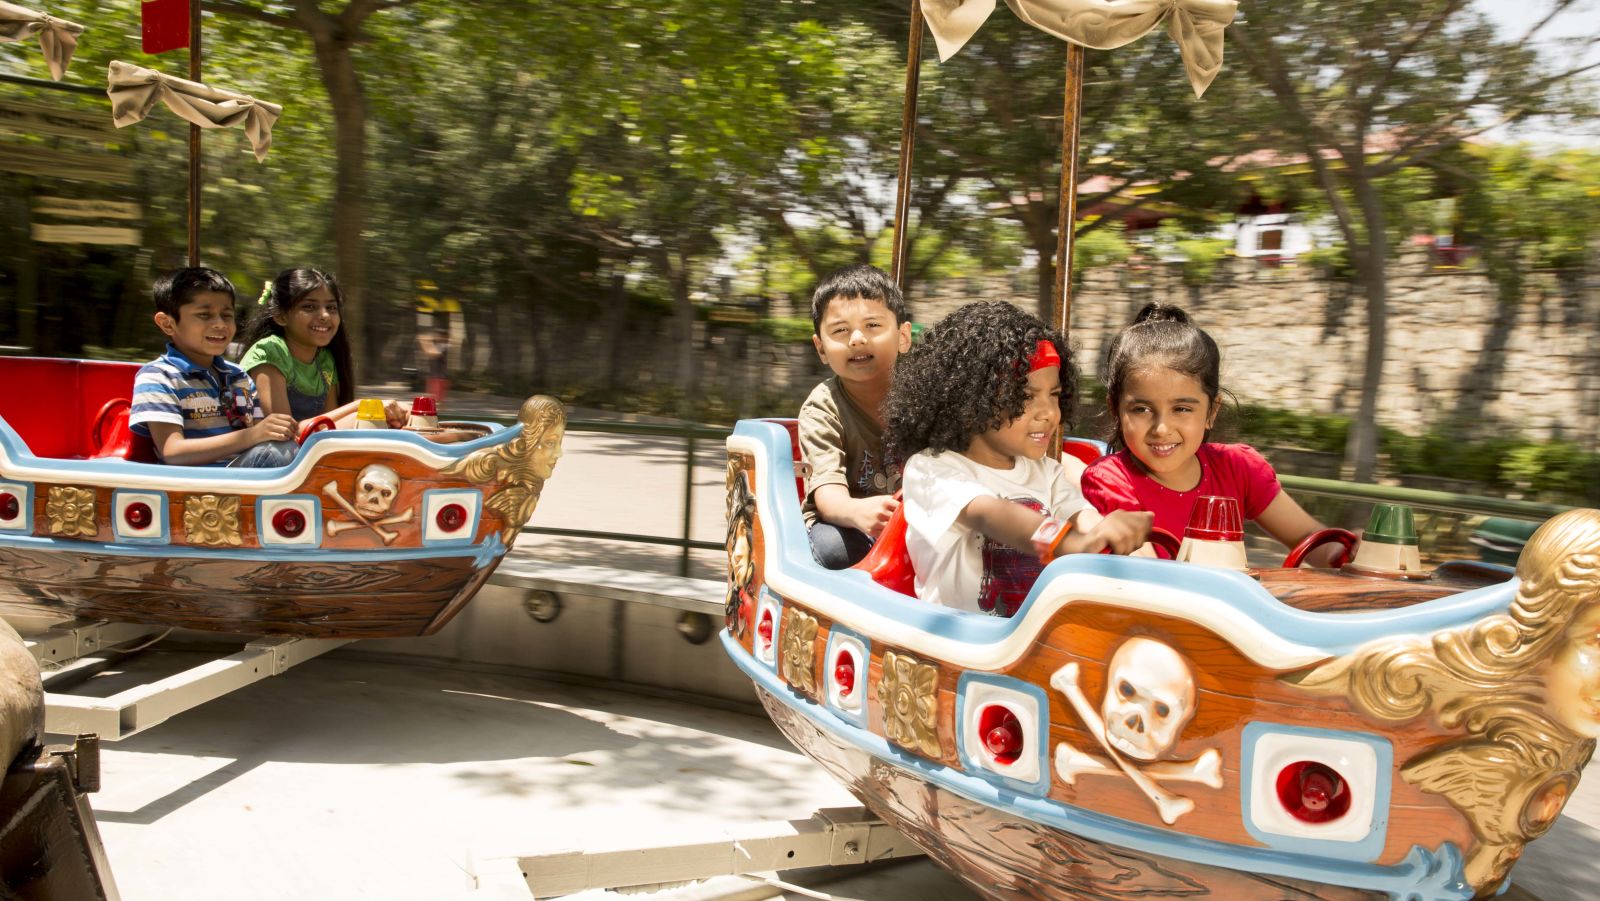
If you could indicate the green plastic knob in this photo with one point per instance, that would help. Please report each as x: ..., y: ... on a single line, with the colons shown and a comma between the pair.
x: 1391, y: 524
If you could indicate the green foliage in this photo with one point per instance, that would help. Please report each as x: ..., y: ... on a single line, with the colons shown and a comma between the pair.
x: 786, y: 330
x: 1105, y: 246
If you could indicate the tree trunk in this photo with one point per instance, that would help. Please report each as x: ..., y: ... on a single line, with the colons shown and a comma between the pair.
x: 616, y: 331
x: 343, y: 84
x: 1361, y: 450
x: 683, y: 313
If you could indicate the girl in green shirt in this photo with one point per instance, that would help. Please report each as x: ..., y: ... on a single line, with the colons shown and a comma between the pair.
x: 298, y: 355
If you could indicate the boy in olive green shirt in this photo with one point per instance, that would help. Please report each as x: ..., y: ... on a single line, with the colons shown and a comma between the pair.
x: 861, y: 328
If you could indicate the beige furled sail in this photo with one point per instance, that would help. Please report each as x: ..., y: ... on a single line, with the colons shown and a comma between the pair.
x: 58, y: 38
x: 134, y: 91
x: 1196, y: 25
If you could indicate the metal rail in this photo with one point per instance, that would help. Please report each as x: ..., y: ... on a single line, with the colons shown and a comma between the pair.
x: 1445, y: 501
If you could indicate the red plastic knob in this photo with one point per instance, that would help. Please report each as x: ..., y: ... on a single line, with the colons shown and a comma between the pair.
x: 1313, y: 792
x: 137, y: 515
x: 844, y: 673
x: 289, y: 522
x: 9, y: 505
x: 1215, y: 519
x: 765, y: 628
x: 424, y: 405
x: 451, y: 517
x: 1002, y: 733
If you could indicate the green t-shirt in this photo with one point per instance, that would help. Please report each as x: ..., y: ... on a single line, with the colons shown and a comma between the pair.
x: 309, y: 380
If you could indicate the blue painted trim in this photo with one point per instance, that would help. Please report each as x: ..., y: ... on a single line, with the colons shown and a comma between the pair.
x: 264, y: 528
x: 481, y: 554
x: 26, y: 517
x: 1039, y: 742
x: 863, y: 673
x: 1365, y: 850
x: 1423, y: 875
x: 1331, y: 633
x: 14, y: 451
x: 161, y: 515
x: 474, y: 515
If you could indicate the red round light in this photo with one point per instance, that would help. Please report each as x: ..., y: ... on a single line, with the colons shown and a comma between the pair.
x: 765, y: 628
x: 451, y: 517
x: 1313, y: 792
x: 9, y: 505
x: 137, y: 515
x: 1215, y: 519
x: 844, y: 673
x: 289, y: 522
x: 1002, y: 733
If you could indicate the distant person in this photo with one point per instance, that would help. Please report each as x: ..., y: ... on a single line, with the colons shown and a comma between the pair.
x: 433, y: 347
x: 976, y: 407
x: 196, y: 408
x: 1163, y: 390
x: 298, y: 355
x: 860, y: 328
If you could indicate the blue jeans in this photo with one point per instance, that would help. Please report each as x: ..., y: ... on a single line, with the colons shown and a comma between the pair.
x: 838, y: 547
x: 267, y: 455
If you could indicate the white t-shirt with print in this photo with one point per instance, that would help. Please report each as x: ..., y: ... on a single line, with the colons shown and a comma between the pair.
x: 955, y: 565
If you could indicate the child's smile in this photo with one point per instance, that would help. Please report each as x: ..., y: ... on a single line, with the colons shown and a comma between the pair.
x: 310, y: 323
x: 1164, y: 416
x: 203, y: 327
x: 1028, y: 435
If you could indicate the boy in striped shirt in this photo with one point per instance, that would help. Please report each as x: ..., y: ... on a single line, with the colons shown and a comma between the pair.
x: 194, y: 406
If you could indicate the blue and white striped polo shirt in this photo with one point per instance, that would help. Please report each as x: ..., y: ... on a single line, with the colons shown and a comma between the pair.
x: 174, y: 390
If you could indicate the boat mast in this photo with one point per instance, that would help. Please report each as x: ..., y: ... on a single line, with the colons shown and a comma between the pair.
x: 194, y: 138
x: 908, y: 138
x: 1067, y: 209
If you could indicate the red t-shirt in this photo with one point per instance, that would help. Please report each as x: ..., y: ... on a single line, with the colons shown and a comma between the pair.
x: 1119, y: 482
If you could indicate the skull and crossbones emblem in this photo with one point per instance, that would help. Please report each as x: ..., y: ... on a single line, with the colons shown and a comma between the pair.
x: 377, y: 488
x: 1150, y: 698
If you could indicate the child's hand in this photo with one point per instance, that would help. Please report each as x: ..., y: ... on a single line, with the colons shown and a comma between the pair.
x: 1121, y: 530
x: 872, y: 513
x: 396, y: 414
x: 277, y: 427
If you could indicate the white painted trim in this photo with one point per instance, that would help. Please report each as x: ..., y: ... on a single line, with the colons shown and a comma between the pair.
x: 1251, y: 638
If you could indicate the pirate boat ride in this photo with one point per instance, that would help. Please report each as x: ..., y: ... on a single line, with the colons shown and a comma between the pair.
x: 1160, y: 727
x: 368, y: 533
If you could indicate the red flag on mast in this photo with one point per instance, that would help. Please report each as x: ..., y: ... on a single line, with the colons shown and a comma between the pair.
x: 165, y: 25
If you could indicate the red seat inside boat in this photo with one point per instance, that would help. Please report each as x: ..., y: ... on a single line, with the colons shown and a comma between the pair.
x: 72, y: 409
x: 1087, y: 451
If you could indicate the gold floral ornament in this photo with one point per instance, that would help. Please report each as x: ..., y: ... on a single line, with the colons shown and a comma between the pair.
x: 521, y: 465
x: 1099, y: 25
x: 909, y: 695
x: 1524, y: 687
x: 800, y: 650
x: 209, y: 519
x: 71, y: 512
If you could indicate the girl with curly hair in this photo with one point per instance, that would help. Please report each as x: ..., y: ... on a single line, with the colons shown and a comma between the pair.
x: 1163, y: 392
x: 973, y: 411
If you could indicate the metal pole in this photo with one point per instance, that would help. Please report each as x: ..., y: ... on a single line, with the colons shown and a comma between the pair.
x: 908, y: 140
x: 194, y: 138
x: 688, y: 501
x: 1067, y: 211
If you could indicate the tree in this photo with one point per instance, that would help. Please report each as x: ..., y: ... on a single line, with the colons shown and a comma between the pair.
x: 1366, y: 89
x: 334, y: 36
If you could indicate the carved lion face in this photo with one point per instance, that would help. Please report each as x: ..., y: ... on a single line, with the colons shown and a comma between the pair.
x: 1150, y: 697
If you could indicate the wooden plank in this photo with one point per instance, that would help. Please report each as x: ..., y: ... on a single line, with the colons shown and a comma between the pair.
x: 85, y: 234
x: 71, y: 165
x: 76, y: 208
x: 33, y: 118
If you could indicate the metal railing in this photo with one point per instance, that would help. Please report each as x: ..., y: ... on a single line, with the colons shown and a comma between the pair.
x: 1454, y: 506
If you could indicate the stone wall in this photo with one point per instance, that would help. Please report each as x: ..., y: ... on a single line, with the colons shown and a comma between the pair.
x: 1293, y: 339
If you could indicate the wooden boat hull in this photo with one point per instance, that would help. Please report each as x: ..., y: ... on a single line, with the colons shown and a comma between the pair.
x: 1182, y: 716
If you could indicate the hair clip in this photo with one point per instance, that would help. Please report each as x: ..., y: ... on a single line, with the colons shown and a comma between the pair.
x: 266, y: 294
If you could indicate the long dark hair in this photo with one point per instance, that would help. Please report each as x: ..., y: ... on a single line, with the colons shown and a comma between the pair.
x: 286, y: 290
x: 1161, y: 335
x: 968, y: 376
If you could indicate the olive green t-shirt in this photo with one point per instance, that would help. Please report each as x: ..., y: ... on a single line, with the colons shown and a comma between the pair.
x: 843, y: 446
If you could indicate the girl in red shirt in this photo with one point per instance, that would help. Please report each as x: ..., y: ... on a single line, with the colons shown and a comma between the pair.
x: 1162, y: 388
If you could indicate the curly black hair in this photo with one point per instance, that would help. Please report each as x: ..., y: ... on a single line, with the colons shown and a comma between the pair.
x: 968, y: 376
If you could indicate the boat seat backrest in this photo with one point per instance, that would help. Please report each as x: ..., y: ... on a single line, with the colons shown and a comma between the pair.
x: 793, y: 425
x: 889, y: 563
x: 52, y: 404
x: 1083, y: 448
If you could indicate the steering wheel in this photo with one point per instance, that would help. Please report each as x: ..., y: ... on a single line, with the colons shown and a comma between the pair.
x: 105, y: 417
x: 320, y: 424
x: 1161, y: 540
x: 1318, y: 539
